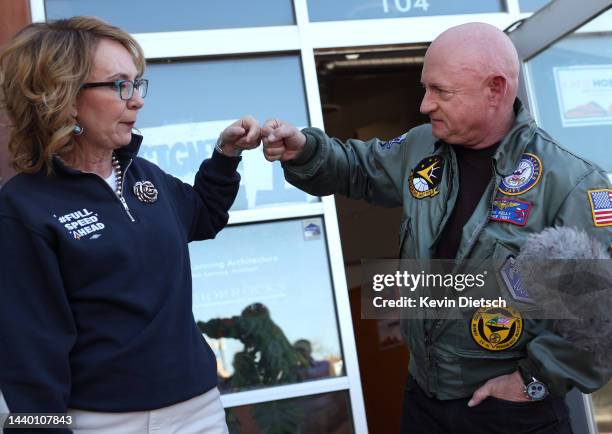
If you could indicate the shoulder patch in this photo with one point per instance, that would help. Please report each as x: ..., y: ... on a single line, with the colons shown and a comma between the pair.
x: 496, y: 328
x: 426, y: 176
x: 524, y: 177
x: 391, y: 143
x: 601, y: 206
x: 510, y: 211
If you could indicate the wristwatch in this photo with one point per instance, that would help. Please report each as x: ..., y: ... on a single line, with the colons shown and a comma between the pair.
x: 536, y: 390
x: 219, y: 148
x: 533, y: 388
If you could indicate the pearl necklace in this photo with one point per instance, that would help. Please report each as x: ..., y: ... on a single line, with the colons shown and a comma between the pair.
x: 118, y: 175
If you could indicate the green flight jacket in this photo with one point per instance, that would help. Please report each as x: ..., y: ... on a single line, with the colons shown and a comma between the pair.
x: 445, y: 360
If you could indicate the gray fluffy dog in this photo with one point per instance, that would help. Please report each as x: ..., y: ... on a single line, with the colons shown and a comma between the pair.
x: 569, y: 274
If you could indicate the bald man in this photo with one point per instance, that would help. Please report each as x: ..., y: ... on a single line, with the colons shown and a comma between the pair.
x: 474, y: 183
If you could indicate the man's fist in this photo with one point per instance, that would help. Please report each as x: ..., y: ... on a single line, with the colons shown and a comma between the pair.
x: 282, y: 141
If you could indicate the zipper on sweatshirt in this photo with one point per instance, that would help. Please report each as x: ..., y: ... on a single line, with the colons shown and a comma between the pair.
x: 120, y: 196
x: 126, y: 208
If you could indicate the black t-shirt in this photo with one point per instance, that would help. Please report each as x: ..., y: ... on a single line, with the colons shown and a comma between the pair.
x: 475, y: 172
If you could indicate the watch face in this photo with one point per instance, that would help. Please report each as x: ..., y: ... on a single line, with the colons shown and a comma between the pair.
x: 536, y: 390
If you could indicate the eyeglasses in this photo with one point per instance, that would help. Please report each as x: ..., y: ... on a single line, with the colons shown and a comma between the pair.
x: 125, y: 88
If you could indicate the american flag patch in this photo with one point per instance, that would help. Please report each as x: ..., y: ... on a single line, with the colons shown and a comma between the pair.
x: 601, y: 207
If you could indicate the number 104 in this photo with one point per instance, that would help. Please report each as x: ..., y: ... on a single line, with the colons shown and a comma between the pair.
x: 405, y: 5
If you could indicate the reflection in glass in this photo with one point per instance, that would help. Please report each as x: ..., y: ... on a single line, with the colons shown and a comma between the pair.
x: 263, y: 299
x: 190, y: 103
x: 572, y: 86
x: 268, y: 358
x: 327, y: 413
x: 341, y: 10
x: 143, y: 16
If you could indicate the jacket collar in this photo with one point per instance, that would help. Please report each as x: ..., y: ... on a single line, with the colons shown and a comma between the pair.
x: 128, y: 152
x: 512, y: 146
x: 131, y: 150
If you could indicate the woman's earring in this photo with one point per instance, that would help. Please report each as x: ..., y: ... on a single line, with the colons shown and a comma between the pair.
x: 77, y: 130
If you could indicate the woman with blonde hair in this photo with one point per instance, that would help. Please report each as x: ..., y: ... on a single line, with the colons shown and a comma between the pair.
x: 95, y: 282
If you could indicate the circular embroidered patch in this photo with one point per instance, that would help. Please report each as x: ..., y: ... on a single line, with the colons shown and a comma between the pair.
x: 426, y: 176
x: 524, y: 178
x: 496, y: 328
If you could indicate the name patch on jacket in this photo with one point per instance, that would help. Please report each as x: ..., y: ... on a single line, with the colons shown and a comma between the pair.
x: 524, y: 177
x: 601, y: 207
x: 426, y: 176
x: 510, y: 211
x: 496, y: 328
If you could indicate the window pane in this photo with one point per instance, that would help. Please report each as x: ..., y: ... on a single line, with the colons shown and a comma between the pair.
x: 189, y: 103
x: 532, y: 5
x: 340, y: 10
x: 327, y: 413
x: 263, y: 297
x: 572, y: 86
x: 143, y: 16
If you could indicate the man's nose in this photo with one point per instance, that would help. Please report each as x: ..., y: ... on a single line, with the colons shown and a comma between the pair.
x: 427, y: 104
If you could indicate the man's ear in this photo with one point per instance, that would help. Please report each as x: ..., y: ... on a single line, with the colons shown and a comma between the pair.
x: 497, y: 86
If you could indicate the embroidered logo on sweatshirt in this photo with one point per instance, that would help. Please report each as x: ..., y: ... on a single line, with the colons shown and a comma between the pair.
x: 82, y: 224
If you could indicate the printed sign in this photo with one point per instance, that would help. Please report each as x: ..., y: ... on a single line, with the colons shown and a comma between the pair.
x: 585, y: 95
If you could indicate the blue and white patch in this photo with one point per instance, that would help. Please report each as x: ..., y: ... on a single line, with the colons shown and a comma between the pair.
x: 512, y: 281
x: 524, y: 177
x: 391, y: 143
x: 510, y: 210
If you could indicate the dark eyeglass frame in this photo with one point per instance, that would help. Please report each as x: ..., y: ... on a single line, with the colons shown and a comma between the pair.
x: 118, y: 86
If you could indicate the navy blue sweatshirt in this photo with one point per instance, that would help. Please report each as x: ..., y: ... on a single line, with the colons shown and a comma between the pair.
x: 96, y: 300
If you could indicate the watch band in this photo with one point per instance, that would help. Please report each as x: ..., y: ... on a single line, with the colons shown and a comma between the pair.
x: 526, y: 376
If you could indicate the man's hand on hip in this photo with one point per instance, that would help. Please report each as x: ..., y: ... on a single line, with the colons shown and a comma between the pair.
x: 507, y: 387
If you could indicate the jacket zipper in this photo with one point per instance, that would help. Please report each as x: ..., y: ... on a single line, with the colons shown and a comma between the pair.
x: 120, y: 196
